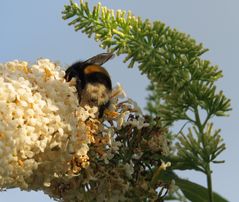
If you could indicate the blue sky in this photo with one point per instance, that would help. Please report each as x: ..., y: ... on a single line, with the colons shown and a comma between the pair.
x: 34, y: 29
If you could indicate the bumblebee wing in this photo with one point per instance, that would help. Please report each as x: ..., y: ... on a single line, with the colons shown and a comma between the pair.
x: 100, y: 59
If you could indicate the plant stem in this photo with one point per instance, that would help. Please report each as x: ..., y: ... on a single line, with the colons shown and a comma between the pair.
x: 207, y: 169
x: 209, y: 183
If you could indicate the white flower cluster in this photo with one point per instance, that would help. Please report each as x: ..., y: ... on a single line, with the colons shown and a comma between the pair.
x: 41, y: 132
x: 49, y: 142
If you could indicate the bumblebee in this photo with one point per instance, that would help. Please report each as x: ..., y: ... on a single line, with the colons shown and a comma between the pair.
x: 93, y: 82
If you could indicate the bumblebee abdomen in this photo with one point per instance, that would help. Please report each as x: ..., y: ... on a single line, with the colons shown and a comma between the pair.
x: 96, y: 74
x: 95, y: 94
x: 95, y: 69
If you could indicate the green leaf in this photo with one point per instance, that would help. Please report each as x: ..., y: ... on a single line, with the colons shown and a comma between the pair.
x: 196, y: 192
x: 191, y: 190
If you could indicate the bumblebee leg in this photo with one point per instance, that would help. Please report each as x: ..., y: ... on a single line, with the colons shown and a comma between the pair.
x: 102, y: 109
x: 79, y: 89
x: 68, y: 75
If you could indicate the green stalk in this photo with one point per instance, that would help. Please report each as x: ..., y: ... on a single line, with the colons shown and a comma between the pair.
x: 207, y: 169
x: 209, y: 183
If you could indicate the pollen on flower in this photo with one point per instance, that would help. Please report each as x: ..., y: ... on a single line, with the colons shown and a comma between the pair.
x: 111, y: 114
x: 20, y: 162
x: 48, y: 73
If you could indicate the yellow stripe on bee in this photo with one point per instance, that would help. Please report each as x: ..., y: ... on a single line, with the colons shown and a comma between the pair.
x: 95, y: 69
